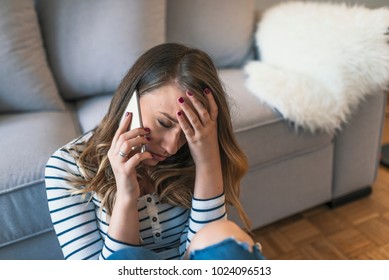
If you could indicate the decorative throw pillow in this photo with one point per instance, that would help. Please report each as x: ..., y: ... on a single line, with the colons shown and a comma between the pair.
x: 91, y: 44
x: 222, y: 28
x: 26, y: 83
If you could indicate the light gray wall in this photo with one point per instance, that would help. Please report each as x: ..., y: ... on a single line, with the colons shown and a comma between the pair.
x: 264, y: 4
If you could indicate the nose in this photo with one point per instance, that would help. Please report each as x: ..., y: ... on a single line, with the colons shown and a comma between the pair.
x: 172, y: 141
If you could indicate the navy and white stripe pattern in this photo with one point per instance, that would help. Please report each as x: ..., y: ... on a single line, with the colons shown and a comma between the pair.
x: 81, y: 226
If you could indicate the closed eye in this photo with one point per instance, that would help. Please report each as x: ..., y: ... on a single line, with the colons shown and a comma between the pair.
x: 165, y: 125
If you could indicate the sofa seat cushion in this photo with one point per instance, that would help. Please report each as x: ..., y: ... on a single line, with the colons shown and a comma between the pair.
x: 262, y: 132
x: 27, y: 142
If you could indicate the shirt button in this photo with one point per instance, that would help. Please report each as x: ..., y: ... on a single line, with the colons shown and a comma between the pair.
x: 149, y: 199
x: 154, y: 219
x: 157, y: 234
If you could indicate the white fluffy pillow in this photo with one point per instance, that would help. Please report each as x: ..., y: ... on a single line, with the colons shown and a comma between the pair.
x: 319, y: 60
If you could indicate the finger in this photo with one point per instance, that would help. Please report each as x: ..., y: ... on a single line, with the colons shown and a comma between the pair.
x: 136, y: 159
x: 184, y: 124
x: 200, y: 110
x: 132, y: 134
x: 213, y: 109
x: 190, y: 114
x: 132, y: 145
x: 123, y: 126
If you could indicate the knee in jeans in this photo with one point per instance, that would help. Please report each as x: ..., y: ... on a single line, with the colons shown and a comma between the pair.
x: 216, y: 232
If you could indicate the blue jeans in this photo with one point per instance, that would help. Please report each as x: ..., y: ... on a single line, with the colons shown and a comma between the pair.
x: 228, y: 249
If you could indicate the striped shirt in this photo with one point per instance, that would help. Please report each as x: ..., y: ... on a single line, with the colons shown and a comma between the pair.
x: 81, y: 226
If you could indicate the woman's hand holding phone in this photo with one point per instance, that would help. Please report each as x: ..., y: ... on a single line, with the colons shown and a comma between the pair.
x: 124, y: 156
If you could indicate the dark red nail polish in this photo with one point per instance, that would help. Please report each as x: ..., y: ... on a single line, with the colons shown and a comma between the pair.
x: 207, y: 91
x: 127, y: 114
x: 179, y: 113
x: 181, y: 100
x: 147, y: 129
x: 148, y: 138
x: 189, y: 93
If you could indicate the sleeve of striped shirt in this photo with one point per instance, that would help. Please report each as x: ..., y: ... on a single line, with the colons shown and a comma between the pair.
x: 205, y: 211
x: 74, y: 217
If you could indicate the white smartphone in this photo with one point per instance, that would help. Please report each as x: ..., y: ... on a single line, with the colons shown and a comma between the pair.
x: 134, y: 108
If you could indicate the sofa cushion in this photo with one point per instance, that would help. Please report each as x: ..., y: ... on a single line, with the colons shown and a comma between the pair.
x: 91, y: 111
x: 41, y: 247
x: 223, y: 28
x: 30, y: 140
x: 91, y: 44
x: 26, y: 82
x: 262, y: 133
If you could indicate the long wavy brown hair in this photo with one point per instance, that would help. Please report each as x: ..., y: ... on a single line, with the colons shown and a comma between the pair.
x: 192, y: 70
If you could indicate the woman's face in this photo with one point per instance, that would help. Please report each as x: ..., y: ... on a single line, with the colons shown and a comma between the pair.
x: 159, y: 109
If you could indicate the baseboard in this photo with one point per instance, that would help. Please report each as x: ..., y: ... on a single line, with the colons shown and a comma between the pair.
x: 350, y: 197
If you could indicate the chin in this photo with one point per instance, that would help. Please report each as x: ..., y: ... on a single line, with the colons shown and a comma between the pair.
x: 150, y: 162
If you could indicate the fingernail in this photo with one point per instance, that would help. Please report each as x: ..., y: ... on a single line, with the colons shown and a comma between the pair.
x: 127, y: 114
x: 181, y: 100
x: 189, y: 93
x: 147, y: 129
x: 179, y: 113
x: 207, y: 91
x: 148, y: 138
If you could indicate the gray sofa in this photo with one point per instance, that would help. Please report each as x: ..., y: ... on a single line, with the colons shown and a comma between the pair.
x: 60, y: 62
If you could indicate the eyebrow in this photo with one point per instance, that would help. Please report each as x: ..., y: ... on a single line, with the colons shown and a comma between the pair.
x: 169, y: 117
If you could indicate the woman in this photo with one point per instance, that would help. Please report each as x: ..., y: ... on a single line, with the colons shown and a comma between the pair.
x: 108, y: 199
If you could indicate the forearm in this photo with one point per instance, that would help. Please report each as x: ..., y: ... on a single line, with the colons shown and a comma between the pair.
x: 124, y: 222
x: 209, y: 177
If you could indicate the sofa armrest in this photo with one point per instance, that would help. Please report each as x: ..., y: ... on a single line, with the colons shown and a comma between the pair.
x: 357, y: 147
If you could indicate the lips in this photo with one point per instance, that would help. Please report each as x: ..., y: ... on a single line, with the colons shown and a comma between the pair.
x: 157, y: 156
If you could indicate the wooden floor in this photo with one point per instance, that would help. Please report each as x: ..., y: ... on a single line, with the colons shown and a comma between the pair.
x: 358, y: 230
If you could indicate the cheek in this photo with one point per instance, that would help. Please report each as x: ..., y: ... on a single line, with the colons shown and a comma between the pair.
x: 156, y: 134
x: 182, y: 140
x: 149, y: 121
x: 146, y: 117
